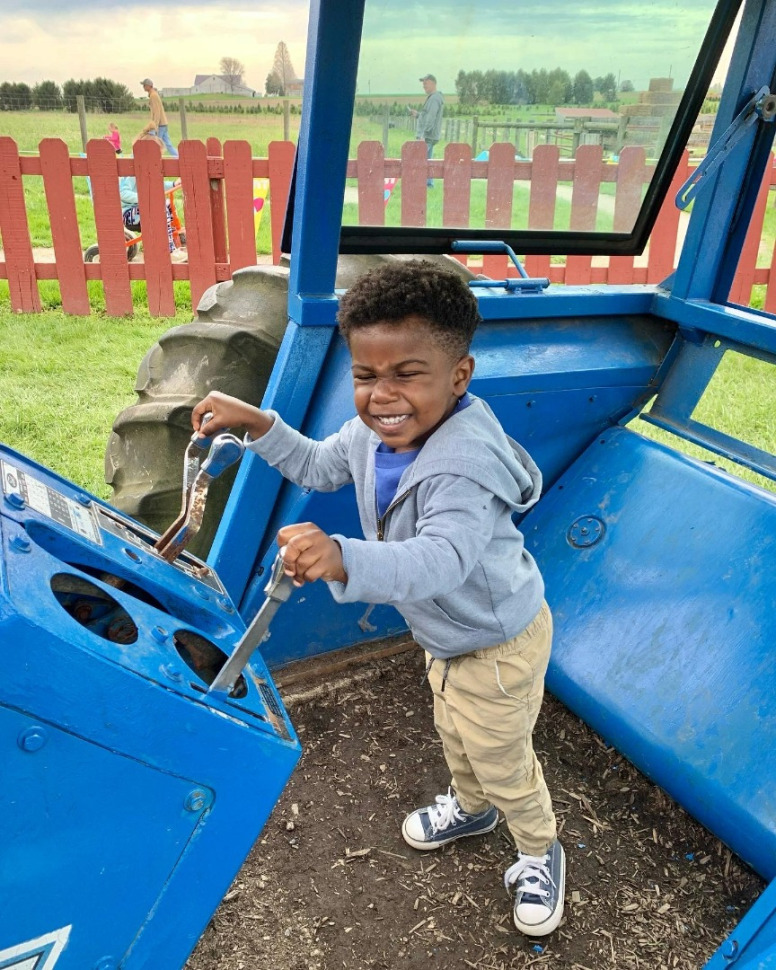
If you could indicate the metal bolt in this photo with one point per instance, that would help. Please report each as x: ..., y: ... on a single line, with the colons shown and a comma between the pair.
x: 225, y: 604
x: 15, y: 500
x: 33, y: 738
x: 105, y: 963
x: 201, y: 591
x: 21, y: 544
x: 159, y: 633
x: 174, y: 675
x: 729, y: 950
x: 84, y: 499
x: 195, y: 800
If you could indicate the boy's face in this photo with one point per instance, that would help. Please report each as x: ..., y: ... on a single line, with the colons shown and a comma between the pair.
x: 404, y: 383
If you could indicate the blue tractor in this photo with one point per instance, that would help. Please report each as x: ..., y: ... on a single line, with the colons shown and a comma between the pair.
x: 141, y: 724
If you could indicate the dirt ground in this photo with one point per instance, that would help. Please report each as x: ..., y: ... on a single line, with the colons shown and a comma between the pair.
x: 331, y: 883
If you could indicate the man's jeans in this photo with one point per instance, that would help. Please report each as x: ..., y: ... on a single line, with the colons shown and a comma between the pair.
x: 164, y: 134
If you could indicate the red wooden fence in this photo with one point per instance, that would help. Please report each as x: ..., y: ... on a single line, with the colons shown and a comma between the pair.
x: 219, y: 215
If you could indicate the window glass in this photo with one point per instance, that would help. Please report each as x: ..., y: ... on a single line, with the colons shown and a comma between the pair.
x: 521, y: 114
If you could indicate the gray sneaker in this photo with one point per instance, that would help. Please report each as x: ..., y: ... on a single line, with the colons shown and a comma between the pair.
x: 436, y: 825
x: 540, y: 885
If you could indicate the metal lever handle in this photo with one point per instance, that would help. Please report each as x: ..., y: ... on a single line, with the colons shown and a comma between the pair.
x: 278, y: 590
x: 225, y: 451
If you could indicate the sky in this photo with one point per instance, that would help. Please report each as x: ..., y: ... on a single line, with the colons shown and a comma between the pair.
x: 170, y: 41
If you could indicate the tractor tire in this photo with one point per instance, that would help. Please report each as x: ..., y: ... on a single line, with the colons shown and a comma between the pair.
x: 231, y: 347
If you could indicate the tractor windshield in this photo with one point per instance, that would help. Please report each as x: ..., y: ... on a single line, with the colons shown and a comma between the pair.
x: 557, y: 127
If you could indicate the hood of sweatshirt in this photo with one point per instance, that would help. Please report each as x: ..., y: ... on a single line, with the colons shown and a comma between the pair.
x: 484, y: 453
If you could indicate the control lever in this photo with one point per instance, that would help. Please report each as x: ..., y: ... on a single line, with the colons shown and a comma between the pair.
x: 278, y: 590
x: 225, y: 450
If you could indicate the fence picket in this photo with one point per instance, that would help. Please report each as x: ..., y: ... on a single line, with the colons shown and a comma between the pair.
x: 541, y: 210
x: 113, y: 267
x: 370, y: 159
x: 152, y: 204
x: 15, y: 232
x: 280, y: 159
x: 663, y: 238
x: 631, y: 172
x: 498, y: 202
x: 741, y: 289
x: 66, y: 237
x: 198, y: 218
x: 456, y: 203
x: 238, y: 179
x: 414, y: 174
x: 585, y: 195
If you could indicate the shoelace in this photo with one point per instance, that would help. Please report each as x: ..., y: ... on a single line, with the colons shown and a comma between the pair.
x: 445, y: 812
x: 531, y: 872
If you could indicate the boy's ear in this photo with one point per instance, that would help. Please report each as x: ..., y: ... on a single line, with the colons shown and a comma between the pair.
x: 462, y: 374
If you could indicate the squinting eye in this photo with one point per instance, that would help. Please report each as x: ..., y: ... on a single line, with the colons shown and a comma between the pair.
x: 362, y: 378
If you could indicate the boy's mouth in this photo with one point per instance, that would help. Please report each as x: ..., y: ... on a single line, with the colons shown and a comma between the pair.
x: 390, y: 420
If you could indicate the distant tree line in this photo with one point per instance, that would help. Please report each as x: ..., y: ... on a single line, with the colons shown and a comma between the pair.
x: 553, y: 87
x: 100, y: 94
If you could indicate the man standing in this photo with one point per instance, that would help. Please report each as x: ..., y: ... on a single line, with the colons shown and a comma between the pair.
x: 158, y: 123
x: 429, y: 118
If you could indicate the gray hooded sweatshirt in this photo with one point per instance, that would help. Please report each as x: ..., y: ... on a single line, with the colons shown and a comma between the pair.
x: 452, y: 561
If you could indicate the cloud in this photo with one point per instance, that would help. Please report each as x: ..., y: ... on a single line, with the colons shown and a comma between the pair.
x: 166, y: 40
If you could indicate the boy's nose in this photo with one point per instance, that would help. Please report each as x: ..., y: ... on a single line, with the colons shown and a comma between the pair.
x: 384, y: 389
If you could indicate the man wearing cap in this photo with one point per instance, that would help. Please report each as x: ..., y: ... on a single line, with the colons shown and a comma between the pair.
x: 158, y: 123
x: 429, y: 119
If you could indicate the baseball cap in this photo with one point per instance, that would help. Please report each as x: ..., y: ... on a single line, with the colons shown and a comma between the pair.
x: 428, y: 77
x: 146, y: 80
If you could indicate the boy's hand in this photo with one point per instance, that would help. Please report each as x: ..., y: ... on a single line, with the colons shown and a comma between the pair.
x: 229, y: 412
x: 310, y: 554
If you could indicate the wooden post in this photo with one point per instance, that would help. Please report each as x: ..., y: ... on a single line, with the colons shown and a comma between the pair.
x: 475, y: 125
x: 81, y: 105
x: 386, y: 125
x: 184, y: 127
x: 286, y: 119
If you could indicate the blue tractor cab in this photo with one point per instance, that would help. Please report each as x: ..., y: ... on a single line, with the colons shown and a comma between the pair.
x: 658, y: 565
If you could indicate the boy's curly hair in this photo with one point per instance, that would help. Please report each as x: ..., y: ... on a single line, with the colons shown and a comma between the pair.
x: 415, y: 287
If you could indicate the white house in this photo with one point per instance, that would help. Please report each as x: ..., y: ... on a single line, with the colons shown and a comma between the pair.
x: 210, y: 84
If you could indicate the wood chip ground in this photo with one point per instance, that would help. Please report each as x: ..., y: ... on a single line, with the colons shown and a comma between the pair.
x: 331, y: 883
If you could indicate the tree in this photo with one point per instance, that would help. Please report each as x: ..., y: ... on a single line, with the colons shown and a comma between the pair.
x: 232, y: 71
x: 273, y: 85
x: 47, y: 96
x: 583, y: 88
x: 283, y: 68
x: 627, y: 86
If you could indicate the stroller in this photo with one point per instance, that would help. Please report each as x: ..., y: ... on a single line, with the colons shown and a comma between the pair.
x: 133, y: 233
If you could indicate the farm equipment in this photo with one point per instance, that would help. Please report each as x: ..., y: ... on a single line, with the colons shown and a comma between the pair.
x: 658, y: 565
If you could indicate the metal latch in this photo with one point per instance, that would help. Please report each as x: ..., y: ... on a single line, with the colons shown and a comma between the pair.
x: 522, y: 284
x: 761, y: 107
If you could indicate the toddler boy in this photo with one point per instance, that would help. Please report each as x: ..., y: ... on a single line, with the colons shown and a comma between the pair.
x: 437, y: 482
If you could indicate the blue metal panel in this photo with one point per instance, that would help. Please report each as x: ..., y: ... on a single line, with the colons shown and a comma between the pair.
x: 660, y: 574
x: 131, y: 795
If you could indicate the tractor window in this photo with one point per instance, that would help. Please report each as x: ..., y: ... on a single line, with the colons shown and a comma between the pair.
x: 555, y: 126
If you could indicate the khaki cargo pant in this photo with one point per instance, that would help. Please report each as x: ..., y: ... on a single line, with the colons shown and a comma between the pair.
x: 485, y: 717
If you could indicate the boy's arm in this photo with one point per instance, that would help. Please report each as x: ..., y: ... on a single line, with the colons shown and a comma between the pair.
x: 455, y: 527
x: 320, y: 465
